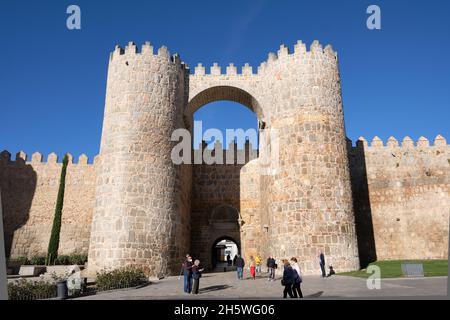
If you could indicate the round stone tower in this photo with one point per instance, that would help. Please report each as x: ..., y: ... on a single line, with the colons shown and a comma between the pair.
x: 141, y: 214
x: 308, y: 199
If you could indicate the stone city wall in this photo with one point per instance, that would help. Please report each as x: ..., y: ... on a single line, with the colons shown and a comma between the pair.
x: 402, y: 193
x: 29, y: 190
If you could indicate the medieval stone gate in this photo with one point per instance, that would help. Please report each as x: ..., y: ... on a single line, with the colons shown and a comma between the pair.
x: 132, y: 205
x: 148, y: 211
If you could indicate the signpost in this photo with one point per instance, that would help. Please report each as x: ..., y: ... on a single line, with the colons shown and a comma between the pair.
x: 3, y: 280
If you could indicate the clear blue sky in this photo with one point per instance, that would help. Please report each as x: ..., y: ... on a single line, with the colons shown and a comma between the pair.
x: 395, y: 81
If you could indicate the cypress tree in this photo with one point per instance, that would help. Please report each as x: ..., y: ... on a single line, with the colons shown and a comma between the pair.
x: 53, y: 245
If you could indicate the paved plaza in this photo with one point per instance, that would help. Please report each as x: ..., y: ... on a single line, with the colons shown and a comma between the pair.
x: 227, y: 286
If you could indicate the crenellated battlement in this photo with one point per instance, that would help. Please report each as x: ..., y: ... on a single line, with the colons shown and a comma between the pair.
x: 37, y: 158
x: 407, y: 142
x: 231, y: 155
x: 146, y: 51
x: 300, y: 50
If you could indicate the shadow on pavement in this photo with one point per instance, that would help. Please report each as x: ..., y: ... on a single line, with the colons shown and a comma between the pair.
x: 214, y: 288
x: 315, y: 295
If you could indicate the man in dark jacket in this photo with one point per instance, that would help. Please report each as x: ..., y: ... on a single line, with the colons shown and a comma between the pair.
x: 240, y: 263
x: 322, y: 264
x: 187, y: 272
x: 271, y: 268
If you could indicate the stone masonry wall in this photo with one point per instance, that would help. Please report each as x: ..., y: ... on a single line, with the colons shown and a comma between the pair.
x: 141, y: 211
x: 215, y: 186
x: 407, y: 199
x: 309, y: 200
x: 309, y: 197
x: 29, y: 196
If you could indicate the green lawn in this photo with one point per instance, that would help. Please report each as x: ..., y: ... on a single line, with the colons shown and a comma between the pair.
x: 393, y: 268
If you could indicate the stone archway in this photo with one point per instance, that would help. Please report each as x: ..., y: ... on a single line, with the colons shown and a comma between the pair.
x: 216, y: 188
x: 216, y: 93
x: 214, y: 257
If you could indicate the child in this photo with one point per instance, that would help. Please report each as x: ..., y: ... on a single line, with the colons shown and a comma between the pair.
x: 253, y: 270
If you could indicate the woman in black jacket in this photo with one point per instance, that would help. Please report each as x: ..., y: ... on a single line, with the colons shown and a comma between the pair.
x: 288, y: 279
x: 196, y: 275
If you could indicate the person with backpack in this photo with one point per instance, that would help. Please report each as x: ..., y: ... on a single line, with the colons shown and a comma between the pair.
x: 297, y: 291
x: 288, y: 279
x: 196, y: 275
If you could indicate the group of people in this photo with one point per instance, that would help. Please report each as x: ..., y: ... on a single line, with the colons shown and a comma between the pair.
x: 192, y: 273
x: 291, y: 280
x: 254, y: 268
x: 291, y: 273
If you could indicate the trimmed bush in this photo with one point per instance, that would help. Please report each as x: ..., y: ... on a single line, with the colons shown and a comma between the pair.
x: 120, y: 278
x: 79, y: 259
x: 37, y: 261
x: 53, y: 246
x: 18, y: 261
x: 67, y: 260
x: 29, y: 290
x: 63, y: 260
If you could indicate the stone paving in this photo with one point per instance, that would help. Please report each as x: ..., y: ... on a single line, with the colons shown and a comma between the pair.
x: 226, y: 286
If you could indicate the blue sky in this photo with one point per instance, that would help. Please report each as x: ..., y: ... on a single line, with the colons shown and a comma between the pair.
x: 395, y: 81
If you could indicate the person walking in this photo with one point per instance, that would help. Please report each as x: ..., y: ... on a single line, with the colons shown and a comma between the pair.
x: 258, y: 261
x: 322, y: 263
x: 288, y: 279
x: 229, y: 260
x: 252, y: 268
x: 240, y: 263
x: 297, y: 291
x: 187, y: 272
x: 271, y: 267
x: 196, y: 275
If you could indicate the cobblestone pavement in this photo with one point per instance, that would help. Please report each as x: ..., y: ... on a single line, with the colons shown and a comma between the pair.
x: 227, y: 286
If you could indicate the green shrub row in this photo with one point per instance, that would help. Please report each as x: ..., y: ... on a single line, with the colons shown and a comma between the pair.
x: 29, y: 290
x: 72, y: 259
x: 120, y: 278
x: 79, y: 259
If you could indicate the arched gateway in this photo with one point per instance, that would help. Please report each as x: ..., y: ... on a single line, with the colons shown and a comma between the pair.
x: 143, y: 212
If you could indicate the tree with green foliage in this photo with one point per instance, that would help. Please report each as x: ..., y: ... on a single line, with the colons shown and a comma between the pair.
x: 53, y: 245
